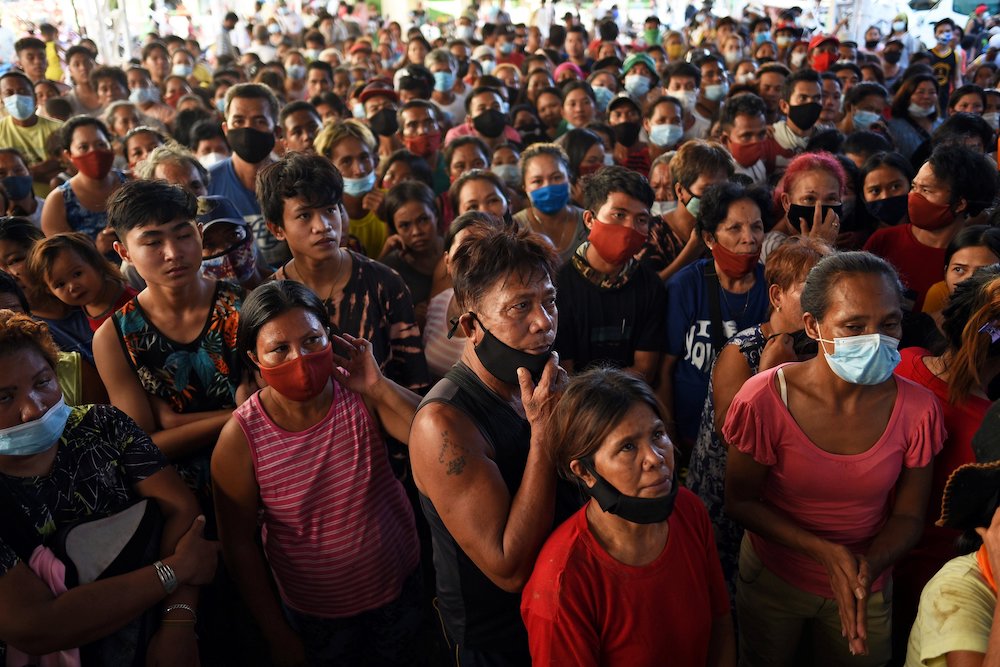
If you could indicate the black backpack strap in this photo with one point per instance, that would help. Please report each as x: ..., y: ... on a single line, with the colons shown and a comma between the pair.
x: 712, y: 288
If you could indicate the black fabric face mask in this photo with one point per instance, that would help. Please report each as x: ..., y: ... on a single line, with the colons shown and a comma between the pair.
x: 871, y: 44
x: 889, y: 210
x: 631, y: 508
x: 803, y: 344
x: 626, y: 133
x: 463, y: 68
x: 502, y: 360
x: 384, y: 122
x: 805, y: 115
x: 251, y: 145
x: 490, y: 123
x: 892, y: 57
x: 797, y: 212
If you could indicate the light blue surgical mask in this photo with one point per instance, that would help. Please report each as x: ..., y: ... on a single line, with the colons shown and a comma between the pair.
x: 443, y: 81
x: 357, y: 187
x: 661, y: 208
x: 220, y: 104
x: 637, y: 85
x: 551, y: 198
x: 180, y: 69
x: 144, y: 94
x: 665, y: 134
x: 869, y: 359
x: 296, y: 72
x: 358, y: 111
x: 20, y: 107
x: 693, y: 206
x: 716, y: 91
x: 864, y: 119
x: 603, y: 96
x: 36, y: 436
x: 510, y: 174
x: 488, y: 66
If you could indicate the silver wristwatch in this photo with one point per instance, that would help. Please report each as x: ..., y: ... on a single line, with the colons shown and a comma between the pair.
x: 166, y: 575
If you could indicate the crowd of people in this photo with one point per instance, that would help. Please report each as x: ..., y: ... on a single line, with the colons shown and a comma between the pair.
x: 581, y: 342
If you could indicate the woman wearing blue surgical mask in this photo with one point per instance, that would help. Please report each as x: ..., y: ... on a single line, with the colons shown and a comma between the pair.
x: 830, y: 509
x: 864, y: 108
x: 546, y: 178
x: 61, y: 465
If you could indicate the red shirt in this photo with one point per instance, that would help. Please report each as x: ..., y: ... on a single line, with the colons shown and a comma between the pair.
x: 584, y: 608
x: 961, y: 420
x: 127, y: 294
x: 919, y: 266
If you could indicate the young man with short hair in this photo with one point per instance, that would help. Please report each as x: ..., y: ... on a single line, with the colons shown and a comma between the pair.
x: 31, y: 57
x: 300, y: 123
x: 83, y: 98
x: 251, y: 127
x: 744, y: 131
x: 301, y: 197
x: 802, y: 104
x: 168, y: 357
x: 612, y: 306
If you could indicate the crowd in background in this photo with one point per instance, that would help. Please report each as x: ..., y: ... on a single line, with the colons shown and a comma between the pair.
x: 503, y: 344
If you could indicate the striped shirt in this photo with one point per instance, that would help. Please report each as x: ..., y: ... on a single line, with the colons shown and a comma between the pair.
x: 338, y: 531
x: 441, y: 352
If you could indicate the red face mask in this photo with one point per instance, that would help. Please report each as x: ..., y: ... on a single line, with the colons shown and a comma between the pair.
x: 173, y: 99
x: 615, y: 243
x: 733, y: 264
x: 821, y: 62
x: 747, y: 154
x: 302, y: 378
x: 423, y: 145
x: 96, y: 164
x: 586, y: 169
x: 928, y: 215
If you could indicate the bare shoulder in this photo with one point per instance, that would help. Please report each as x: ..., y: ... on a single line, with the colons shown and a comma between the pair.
x: 445, y: 443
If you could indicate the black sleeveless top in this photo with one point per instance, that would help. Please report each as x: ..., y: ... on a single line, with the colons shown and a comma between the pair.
x: 476, y: 612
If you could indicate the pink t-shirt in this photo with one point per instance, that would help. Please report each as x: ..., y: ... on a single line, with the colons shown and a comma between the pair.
x: 841, y: 498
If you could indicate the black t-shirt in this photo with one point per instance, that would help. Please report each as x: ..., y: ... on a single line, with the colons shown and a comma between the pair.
x: 609, y: 325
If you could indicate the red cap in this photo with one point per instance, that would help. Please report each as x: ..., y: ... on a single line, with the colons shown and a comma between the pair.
x: 981, y: 9
x: 822, y: 39
x: 361, y: 46
x: 378, y: 88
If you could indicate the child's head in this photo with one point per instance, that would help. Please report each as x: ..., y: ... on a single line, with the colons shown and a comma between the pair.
x: 300, y: 196
x: 71, y: 266
x: 157, y: 234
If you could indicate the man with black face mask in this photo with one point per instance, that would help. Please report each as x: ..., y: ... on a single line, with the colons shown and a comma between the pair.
x: 801, y: 103
x: 251, y: 129
x: 486, y: 118
x: 381, y: 104
x: 479, y: 446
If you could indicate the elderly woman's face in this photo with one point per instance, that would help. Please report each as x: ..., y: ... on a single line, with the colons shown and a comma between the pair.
x: 29, y: 387
x: 742, y: 230
x: 183, y: 174
x: 636, y: 457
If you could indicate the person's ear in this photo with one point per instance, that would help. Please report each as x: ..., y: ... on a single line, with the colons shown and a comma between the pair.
x: 677, y: 192
x: 121, y: 249
x: 962, y: 205
x: 784, y: 106
x: 578, y: 469
x: 811, y: 325
x: 708, y: 238
x: 775, y: 295
x: 588, y: 218
x: 468, y: 324
x: 724, y: 138
x: 279, y: 132
x: 277, y: 231
x: 646, y: 125
x: 225, y: 126
x: 786, y: 202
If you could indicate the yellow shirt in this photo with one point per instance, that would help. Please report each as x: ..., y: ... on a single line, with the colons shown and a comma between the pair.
x: 937, y: 297
x: 54, y: 71
x: 956, y: 613
x: 30, y: 141
x: 370, y: 232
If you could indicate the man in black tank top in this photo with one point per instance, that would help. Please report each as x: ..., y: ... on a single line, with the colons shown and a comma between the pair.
x: 478, y: 443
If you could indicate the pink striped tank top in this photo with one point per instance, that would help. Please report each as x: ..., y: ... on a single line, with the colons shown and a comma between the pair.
x: 338, y: 531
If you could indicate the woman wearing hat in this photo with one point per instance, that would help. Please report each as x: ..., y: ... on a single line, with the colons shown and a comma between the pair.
x: 957, y: 616
x: 639, y: 76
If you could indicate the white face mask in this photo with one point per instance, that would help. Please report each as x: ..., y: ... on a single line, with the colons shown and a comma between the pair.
x: 212, y: 158
x: 661, y: 208
x: 687, y: 98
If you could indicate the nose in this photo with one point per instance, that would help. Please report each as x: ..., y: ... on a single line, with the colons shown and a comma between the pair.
x: 32, y: 408
x: 544, y: 321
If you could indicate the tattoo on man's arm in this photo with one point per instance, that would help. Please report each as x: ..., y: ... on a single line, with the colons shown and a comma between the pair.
x: 452, y: 454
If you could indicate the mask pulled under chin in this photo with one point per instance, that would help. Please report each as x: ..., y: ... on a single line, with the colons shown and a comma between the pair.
x: 631, y: 508
x: 502, y: 360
